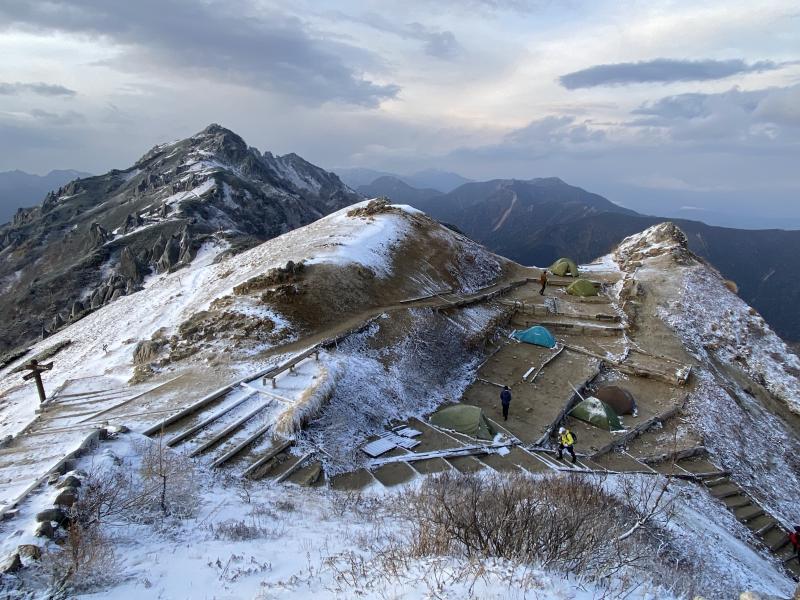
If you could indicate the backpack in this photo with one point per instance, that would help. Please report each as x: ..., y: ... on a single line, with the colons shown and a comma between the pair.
x: 574, y: 437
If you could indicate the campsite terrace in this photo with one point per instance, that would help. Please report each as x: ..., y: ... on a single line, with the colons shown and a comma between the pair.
x: 586, y: 340
x: 597, y: 349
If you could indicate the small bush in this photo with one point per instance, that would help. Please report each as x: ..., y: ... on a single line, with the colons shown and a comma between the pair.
x: 561, y: 522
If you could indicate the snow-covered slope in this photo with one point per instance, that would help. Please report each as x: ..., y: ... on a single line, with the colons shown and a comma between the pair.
x: 354, y: 260
x: 746, y: 396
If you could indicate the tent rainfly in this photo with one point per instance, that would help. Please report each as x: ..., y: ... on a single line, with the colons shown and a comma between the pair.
x: 620, y: 399
x: 582, y: 287
x: 465, y: 419
x: 564, y: 266
x: 597, y: 413
x: 536, y: 335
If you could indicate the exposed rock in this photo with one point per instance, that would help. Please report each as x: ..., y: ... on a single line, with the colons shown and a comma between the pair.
x: 31, y: 551
x: 53, y: 478
x: 70, y: 481
x: 45, y: 529
x: 12, y: 564
x: 77, y: 309
x: 118, y: 293
x: 57, y: 322
x: 67, y: 497
x: 169, y: 258
x: 129, y: 266
x: 56, y: 515
x: 97, y: 235
x: 146, y: 351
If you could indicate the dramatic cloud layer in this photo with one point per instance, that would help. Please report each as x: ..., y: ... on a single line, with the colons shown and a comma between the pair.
x: 41, y: 89
x: 662, y: 70
x: 485, y: 88
x: 262, y: 49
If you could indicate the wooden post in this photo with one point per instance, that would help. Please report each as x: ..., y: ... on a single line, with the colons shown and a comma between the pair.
x: 36, y: 371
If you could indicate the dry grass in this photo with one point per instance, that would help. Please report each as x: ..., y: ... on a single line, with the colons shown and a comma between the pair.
x: 307, y: 405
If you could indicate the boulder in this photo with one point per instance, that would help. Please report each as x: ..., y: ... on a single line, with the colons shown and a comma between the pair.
x: 12, y: 564
x: 53, y: 478
x: 45, y: 529
x: 67, y: 497
x: 31, y: 551
x: 146, y: 351
x: 56, y: 515
x: 70, y: 481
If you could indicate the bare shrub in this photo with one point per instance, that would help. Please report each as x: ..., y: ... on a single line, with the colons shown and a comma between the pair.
x: 84, y: 561
x: 167, y: 480
x: 558, y: 522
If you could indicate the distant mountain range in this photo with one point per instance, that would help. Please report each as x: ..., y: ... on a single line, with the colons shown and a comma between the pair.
x: 97, y: 238
x: 19, y: 189
x: 441, y: 181
x: 535, y: 222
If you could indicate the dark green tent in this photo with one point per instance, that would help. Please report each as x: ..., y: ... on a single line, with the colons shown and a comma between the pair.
x: 582, y: 287
x: 564, y: 266
x: 465, y: 419
x: 597, y: 413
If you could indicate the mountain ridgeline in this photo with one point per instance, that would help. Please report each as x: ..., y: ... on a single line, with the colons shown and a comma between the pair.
x: 535, y: 222
x: 97, y: 238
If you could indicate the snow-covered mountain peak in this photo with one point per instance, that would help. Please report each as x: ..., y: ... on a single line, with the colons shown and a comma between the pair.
x: 96, y: 239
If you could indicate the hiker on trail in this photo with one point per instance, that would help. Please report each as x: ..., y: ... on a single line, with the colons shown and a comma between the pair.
x: 566, y: 439
x: 505, y: 400
x: 543, y: 281
x: 794, y: 538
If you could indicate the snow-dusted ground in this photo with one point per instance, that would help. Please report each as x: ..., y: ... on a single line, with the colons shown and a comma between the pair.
x: 170, y: 299
x: 736, y: 351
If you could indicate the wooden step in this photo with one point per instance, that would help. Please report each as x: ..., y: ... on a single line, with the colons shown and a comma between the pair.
x: 763, y: 531
x: 781, y: 544
x: 226, y: 433
x: 749, y: 516
x: 716, y: 481
x: 738, y: 503
x: 726, y: 493
x: 272, y: 453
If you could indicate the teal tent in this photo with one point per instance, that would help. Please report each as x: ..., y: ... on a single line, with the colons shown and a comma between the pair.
x: 537, y: 335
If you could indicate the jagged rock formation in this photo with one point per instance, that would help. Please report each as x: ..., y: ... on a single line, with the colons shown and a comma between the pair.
x: 96, y: 239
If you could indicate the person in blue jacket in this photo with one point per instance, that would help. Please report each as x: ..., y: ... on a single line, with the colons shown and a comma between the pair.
x: 505, y: 400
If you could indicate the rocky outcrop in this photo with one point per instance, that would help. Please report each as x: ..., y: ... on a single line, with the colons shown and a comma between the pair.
x: 96, y: 239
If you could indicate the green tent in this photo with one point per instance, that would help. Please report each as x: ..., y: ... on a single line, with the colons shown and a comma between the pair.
x: 582, y: 287
x: 597, y: 413
x: 465, y: 419
x: 564, y: 266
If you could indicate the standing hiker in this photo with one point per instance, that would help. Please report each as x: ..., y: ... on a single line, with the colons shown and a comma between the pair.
x: 794, y: 538
x: 505, y: 401
x: 566, y: 439
x: 543, y: 281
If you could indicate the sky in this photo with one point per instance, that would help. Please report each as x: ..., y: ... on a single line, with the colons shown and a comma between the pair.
x: 665, y: 107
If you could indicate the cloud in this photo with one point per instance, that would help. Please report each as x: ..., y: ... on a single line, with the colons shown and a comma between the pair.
x: 242, y: 44
x: 439, y: 44
x: 69, y: 117
x: 41, y: 89
x: 768, y: 115
x: 663, y: 70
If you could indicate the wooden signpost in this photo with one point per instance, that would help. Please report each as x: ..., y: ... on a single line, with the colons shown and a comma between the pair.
x: 36, y: 371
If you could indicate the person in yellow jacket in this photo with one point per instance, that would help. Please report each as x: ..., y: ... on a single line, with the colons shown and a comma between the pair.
x: 566, y: 440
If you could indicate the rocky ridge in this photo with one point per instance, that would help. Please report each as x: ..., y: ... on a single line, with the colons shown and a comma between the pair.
x: 96, y: 239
